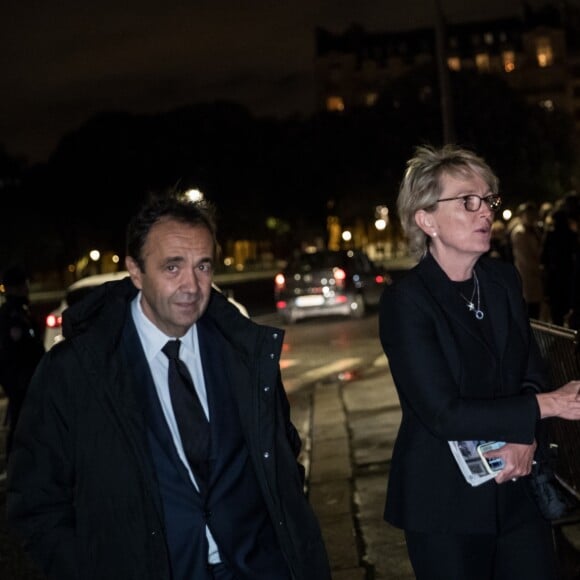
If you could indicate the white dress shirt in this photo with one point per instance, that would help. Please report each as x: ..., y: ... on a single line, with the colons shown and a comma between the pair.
x: 153, y: 340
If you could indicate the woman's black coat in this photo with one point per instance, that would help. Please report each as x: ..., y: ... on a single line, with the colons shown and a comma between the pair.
x: 454, y: 385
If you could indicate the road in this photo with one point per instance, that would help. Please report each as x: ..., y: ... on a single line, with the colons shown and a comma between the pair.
x: 255, y: 289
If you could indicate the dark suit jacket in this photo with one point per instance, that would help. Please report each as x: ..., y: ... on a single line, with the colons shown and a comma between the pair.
x: 453, y: 384
x: 233, y: 506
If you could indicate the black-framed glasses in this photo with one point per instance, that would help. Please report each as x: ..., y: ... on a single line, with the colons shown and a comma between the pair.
x: 472, y: 202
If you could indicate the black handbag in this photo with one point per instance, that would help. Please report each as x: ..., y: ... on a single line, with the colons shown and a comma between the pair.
x: 551, y: 497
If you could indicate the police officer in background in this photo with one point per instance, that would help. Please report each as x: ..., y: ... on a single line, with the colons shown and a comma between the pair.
x: 21, y: 345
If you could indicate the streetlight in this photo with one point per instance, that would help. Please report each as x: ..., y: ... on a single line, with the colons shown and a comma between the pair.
x: 346, y: 236
x: 95, y: 256
x: 194, y: 195
x: 381, y: 223
x: 445, y: 95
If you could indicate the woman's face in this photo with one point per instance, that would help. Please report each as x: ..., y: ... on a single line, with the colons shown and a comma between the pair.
x: 456, y: 232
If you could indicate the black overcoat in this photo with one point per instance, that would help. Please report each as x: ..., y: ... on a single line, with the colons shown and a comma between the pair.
x: 82, y: 491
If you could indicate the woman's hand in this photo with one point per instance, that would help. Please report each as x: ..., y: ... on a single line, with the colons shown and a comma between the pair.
x: 517, y: 458
x: 563, y: 402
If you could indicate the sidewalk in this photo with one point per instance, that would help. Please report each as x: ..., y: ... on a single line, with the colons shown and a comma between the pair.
x: 349, y: 430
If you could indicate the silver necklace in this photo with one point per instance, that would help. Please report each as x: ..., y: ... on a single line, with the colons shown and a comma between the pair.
x: 475, y: 294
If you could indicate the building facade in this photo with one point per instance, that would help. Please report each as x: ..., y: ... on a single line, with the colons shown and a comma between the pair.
x: 537, y: 53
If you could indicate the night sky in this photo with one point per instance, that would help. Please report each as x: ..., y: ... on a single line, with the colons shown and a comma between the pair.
x: 63, y: 61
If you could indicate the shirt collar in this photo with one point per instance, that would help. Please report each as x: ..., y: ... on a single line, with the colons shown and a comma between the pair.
x: 152, y: 338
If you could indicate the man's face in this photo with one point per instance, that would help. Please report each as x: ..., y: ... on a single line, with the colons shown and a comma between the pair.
x: 176, y: 283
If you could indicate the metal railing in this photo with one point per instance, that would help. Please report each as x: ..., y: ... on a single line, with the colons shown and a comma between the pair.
x: 560, y: 348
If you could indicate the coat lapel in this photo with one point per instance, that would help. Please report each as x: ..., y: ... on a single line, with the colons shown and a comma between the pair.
x: 214, y: 354
x: 145, y: 391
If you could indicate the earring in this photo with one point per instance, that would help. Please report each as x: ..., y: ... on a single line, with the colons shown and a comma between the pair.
x: 434, y: 235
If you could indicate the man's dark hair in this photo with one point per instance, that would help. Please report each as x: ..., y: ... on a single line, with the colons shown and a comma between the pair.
x: 174, y: 206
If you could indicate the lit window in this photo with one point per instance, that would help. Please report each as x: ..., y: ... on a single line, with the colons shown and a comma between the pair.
x: 371, y: 99
x: 334, y: 104
x: 547, y: 104
x: 482, y: 62
x: 509, y: 61
x: 544, y: 52
x: 454, y: 63
x: 488, y: 38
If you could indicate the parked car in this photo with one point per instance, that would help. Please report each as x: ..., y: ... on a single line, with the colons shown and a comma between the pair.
x: 325, y: 282
x: 78, y: 290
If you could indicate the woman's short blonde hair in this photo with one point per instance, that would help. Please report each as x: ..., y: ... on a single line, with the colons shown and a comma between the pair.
x: 421, y: 185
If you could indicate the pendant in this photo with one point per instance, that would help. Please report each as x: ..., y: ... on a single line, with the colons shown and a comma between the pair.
x: 478, y: 314
x: 470, y: 306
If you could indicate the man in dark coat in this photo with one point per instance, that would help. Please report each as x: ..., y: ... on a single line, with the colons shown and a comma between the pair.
x: 99, y: 483
x: 20, y: 344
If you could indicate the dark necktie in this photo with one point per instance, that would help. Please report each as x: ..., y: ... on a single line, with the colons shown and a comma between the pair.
x: 191, y: 420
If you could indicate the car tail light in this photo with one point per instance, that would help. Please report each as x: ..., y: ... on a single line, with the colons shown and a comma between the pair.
x: 280, y: 281
x: 339, y: 277
x: 53, y: 321
x: 383, y: 279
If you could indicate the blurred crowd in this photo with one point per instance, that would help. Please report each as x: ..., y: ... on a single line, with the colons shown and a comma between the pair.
x: 544, y: 244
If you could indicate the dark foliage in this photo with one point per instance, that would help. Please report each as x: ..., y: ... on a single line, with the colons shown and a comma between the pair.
x: 293, y: 169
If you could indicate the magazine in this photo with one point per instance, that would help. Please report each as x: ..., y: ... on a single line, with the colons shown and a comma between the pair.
x: 474, y: 467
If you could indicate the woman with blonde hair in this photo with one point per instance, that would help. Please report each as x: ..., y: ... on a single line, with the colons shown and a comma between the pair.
x: 456, y: 332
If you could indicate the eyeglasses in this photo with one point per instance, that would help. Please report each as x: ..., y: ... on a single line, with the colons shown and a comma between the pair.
x: 472, y: 202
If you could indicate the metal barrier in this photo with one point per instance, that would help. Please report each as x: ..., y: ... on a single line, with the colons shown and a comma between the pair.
x: 560, y: 348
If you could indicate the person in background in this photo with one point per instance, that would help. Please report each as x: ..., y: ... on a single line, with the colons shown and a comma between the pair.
x: 560, y: 245
x: 526, y: 244
x: 107, y: 480
x: 572, y: 205
x: 21, y: 346
x: 457, y: 335
x: 499, y: 245
x: 545, y: 216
